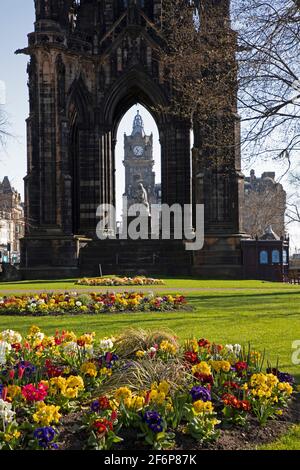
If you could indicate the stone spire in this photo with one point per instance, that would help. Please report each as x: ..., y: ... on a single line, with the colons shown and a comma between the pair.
x: 138, y: 125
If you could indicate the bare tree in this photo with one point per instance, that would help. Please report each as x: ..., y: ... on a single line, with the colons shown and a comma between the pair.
x: 263, y: 209
x: 200, y: 60
x: 4, y: 124
x: 269, y: 76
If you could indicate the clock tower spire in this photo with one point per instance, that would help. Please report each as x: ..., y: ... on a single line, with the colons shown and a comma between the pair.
x: 139, y: 163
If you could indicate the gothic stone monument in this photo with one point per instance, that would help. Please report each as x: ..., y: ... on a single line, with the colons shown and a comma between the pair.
x: 90, y: 61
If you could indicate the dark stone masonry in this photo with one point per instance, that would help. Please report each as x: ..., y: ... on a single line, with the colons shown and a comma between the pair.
x: 90, y: 61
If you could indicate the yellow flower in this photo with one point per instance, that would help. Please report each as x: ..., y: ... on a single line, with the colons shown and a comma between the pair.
x: 46, y: 414
x: 12, y: 435
x: 202, y: 368
x: 140, y: 354
x: 89, y: 368
x: 75, y: 381
x: 218, y: 366
x: 70, y: 336
x: 192, y: 345
x: 122, y: 394
x: 157, y: 397
x: 106, y: 371
x: 164, y: 387
x: 167, y: 347
x: 34, y: 330
x: 285, y: 387
x: 137, y: 403
x: 201, y: 407
x: 255, y: 356
x: 13, y: 391
x: 169, y: 408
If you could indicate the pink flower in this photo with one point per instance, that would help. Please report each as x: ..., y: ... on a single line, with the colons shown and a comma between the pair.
x: 31, y: 393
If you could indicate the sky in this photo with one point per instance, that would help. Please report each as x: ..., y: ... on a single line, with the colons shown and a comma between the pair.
x: 16, y: 21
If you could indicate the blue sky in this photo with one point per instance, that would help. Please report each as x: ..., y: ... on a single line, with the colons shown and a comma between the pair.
x: 16, y: 21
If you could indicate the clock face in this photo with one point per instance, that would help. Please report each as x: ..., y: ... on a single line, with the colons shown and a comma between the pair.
x: 138, y: 150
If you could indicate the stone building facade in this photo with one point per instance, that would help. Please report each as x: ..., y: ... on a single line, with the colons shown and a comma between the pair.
x: 265, y: 205
x: 12, y: 224
x: 90, y: 61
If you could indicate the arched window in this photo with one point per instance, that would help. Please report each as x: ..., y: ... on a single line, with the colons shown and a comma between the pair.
x: 263, y: 257
x: 275, y: 257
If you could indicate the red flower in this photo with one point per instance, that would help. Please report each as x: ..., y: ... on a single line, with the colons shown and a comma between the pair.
x: 21, y: 371
x: 16, y: 347
x: 241, y: 366
x: 103, y: 426
x: 4, y: 393
x: 245, y: 405
x: 104, y: 403
x: 232, y: 385
x: 191, y: 357
x: 204, y: 378
x: 31, y: 393
x: 11, y: 374
x: 233, y: 402
x: 203, y: 343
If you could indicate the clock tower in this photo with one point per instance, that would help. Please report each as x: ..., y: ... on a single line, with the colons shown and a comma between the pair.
x: 139, y: 163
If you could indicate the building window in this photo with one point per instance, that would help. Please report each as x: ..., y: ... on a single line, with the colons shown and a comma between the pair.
x: 263, y: 257
x: 275, y: 257
x: 285, y: 257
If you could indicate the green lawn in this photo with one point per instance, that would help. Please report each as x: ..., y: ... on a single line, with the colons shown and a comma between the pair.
x: 186, y: 283
x: 265, y: 314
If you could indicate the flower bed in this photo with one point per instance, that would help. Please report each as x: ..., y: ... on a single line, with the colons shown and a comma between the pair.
x: 141, y: 383
x: 120, y: 281
x: 74, y: 303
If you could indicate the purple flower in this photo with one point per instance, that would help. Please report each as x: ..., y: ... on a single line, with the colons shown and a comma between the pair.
x: 200, y: 393
x: 30, y: 369
x: 95, y: 406
x: 108, y: 360
x: 45, y: 437
x: 154, y: 421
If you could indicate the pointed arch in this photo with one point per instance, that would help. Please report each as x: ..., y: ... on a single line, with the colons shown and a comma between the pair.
x: 135, y: 86
x: 79, y: 102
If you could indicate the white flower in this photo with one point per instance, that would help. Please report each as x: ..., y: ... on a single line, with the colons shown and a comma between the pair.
x: 41, y: 302
x: 234, y: 348
x: 10, y: 336
x: 5, y: 348
x: 6, y: 413
x: 70, y: 347
x: 89, y: 350
x: 39, y: 336
x: 152, y: 350
x: 78, y: 304
x: 237, y: 349
x: 106, y: 345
